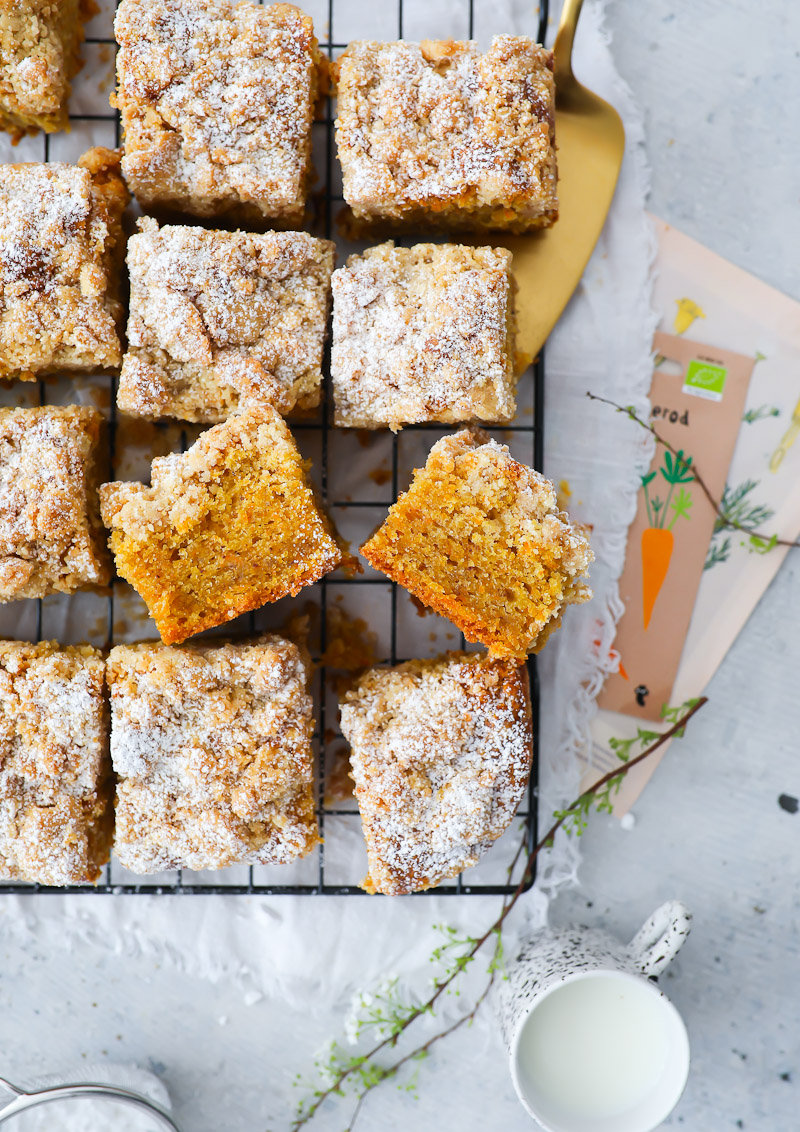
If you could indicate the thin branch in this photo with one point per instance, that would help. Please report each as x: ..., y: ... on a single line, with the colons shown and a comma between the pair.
x: 725, y: 519
x: 440, y: 987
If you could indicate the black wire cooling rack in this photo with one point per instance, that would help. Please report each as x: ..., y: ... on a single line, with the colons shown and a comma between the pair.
x: 326, y: 871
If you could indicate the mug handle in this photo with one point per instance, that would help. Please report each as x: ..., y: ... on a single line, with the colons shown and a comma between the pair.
x: 661, y: 937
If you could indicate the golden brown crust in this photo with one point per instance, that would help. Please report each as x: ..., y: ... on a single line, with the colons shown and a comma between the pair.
x: 39, y: 54
x: 423, y: 334
x: 221, y: 125
x: 441, y: 756
x: 212, y: 746
x: 222, y: 320
x: 439, y: 135
x: 56, y: 789
x: 60, y: 249
x: 479, y: 538
x: 51, y: 537
x: 224, y: 528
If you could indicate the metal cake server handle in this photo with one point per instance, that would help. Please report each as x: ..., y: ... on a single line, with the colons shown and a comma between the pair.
x: 23, y: 1101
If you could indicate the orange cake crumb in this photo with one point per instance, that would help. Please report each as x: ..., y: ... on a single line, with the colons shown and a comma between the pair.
x: 441, y: 757
x: 479, y: 538
x: 225, y: 527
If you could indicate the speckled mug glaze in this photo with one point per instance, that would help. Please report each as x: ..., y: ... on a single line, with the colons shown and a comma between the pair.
x: 552, y: 957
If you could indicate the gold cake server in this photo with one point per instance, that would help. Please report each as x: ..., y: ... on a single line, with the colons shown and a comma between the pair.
x: 590, y: 138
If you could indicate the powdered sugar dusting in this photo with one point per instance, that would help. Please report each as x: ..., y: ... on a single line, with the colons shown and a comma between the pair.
x: 439, y: 124
x: 50, y: 533
x: 55, y: 309
x: 423, y: 334
x: 213, y: 749
x: 217, y: 99
x: 441, y: 755
x: 219, y: 320
x: 54, y: 796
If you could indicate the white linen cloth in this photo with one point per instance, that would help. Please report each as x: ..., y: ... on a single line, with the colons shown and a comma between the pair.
x: 301, y: 958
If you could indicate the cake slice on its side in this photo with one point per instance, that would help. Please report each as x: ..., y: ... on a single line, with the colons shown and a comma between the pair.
x: 225, y: 527
x: 441, y: 756
x: 479, y: 538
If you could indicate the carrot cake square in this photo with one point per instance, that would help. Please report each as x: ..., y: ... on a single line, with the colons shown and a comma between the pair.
x: 217, y: 99
x: 56, y: 792
x: 438, y: 134
x: 479, y: 538
x: 60, y: 253
x: 212, y: 749
x: 51, y: 537
x: 39, y: 42
x: 423, y: 334
x: 221, y: 320
x: 225, y: 527
x: 441, y: 757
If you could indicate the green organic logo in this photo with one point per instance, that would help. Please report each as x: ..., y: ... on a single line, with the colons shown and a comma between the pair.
x: 705, y: 380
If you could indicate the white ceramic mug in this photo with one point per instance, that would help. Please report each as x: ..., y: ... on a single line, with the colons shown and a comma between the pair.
x: 594, y: 1045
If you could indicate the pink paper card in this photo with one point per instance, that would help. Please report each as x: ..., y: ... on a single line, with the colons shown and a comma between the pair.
x: 697, y: 399
x: 698, y: 291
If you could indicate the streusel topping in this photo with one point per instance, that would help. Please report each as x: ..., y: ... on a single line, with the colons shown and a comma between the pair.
x: 423, y: 333
x: 220, y: 320
x: 54, y: 772
x: 217, y: 102
x: 440, y: 124
x: 56, y: 304
x: 212, y: 745
x: 50, y: 532
x: 441, y: 755
x: 38, y: 55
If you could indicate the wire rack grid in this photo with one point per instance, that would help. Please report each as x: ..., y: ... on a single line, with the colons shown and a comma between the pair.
x: 334, y: 868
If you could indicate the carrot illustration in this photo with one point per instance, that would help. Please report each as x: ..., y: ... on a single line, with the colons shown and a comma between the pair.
x: 657, y: 547
x: 658, y: 541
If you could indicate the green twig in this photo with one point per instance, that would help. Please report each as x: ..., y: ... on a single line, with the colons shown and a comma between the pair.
x: 768, y: 540
x: 574, y: 815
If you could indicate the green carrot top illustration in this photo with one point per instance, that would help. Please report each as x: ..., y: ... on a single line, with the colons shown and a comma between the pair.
x: 676, y: 470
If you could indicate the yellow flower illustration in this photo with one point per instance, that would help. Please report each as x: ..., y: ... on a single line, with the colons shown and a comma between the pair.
x: 688, y: 311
